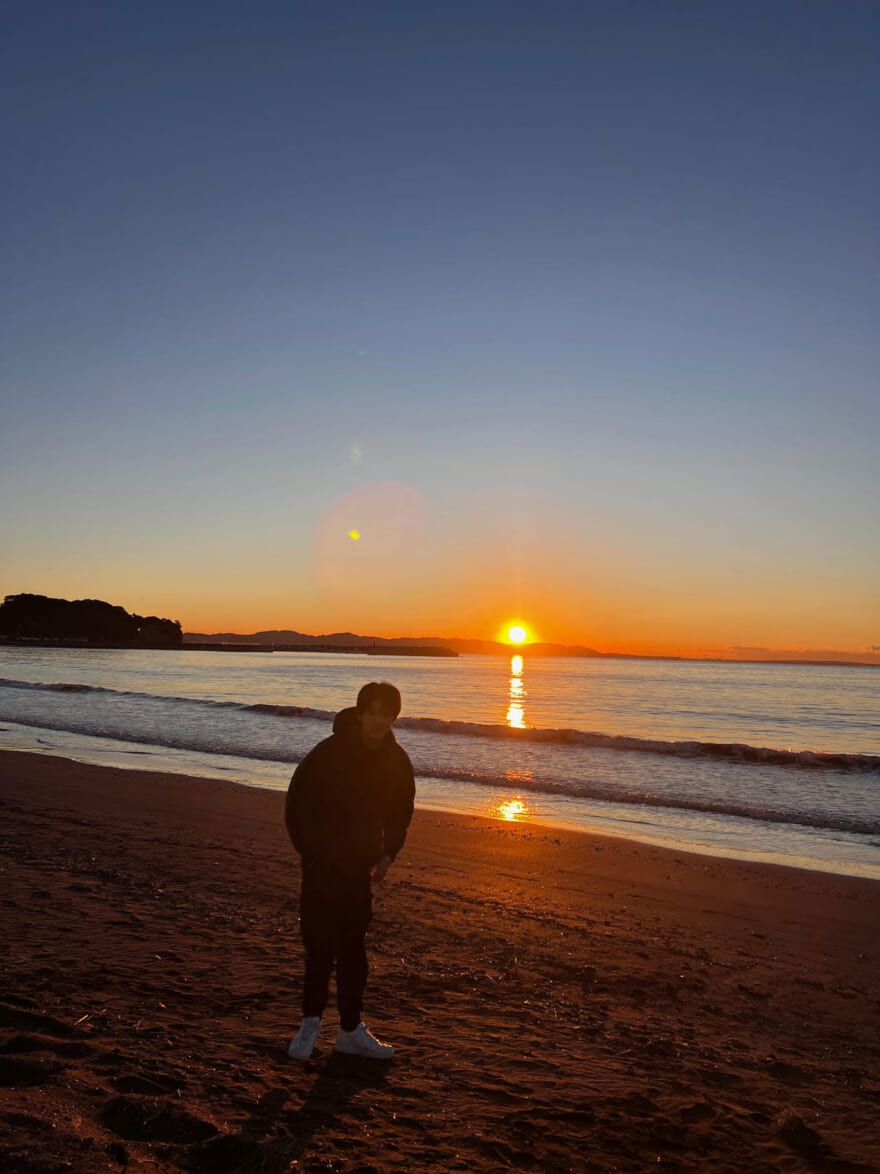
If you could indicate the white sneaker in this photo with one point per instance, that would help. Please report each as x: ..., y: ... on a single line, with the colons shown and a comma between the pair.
x: 362, y: 1042
x: 303, y: 1043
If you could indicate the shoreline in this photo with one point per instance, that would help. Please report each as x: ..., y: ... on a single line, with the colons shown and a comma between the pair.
x: 485, y: 804
x: 558, y: 1000
x: 9, y: 761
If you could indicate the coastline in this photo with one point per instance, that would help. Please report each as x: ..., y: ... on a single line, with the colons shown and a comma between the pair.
x: 560, y: 1000
x: 747, y: 842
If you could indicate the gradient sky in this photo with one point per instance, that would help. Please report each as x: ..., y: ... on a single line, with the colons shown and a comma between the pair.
x: 570, y: 309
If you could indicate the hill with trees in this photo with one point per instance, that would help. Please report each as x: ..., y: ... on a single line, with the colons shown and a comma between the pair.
x: 30, y: 618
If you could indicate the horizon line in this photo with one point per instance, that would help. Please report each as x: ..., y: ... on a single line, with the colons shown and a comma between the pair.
x: 836, y: 657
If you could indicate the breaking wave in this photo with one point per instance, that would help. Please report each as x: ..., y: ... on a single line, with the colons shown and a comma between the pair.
x: 747, y: 783
x: 575, y: 789
x: 735, y: 752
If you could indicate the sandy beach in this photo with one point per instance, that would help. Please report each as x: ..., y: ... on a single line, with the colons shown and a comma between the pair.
x: 558, y: 1001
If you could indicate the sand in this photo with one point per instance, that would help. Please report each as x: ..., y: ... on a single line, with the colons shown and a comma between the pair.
x: 558, y: 1001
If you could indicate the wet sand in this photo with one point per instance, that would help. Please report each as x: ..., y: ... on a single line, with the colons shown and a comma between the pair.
x: 558, y: 1001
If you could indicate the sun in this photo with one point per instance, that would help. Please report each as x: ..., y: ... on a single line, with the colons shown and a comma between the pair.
x: 516, y: 632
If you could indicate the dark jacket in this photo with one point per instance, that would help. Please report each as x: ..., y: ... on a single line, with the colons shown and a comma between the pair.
x: 348, y: 805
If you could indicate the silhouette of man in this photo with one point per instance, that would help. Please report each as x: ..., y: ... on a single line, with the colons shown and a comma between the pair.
x: 348, y: 808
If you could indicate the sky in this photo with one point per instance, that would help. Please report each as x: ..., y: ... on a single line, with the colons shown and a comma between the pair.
x: 568, y: 310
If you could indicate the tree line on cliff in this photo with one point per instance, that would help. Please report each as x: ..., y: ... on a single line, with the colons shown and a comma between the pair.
x: 93, y: 621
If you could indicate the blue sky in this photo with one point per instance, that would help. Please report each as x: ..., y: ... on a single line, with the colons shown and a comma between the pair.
x: 597, y: 282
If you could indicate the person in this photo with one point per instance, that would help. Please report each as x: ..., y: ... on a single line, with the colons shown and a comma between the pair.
x: 348, y: 808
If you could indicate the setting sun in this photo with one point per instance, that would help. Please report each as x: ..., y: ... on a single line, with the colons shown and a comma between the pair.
x: 517, y: 634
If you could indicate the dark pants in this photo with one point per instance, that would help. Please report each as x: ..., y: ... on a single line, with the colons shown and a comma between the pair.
x: 335, y: 908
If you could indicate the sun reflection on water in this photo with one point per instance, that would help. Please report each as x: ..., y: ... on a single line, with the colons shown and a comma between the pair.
x: 512, y: 809
x: 516, y: 709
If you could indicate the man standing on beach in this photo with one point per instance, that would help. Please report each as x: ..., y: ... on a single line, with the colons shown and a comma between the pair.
x: 348, y: 807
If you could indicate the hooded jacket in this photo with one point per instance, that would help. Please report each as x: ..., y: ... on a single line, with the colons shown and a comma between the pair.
x: 347, y: 805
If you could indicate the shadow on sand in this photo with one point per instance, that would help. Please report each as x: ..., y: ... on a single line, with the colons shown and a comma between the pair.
x: 338, y: 1080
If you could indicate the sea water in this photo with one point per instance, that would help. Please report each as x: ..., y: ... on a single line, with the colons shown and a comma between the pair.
x: 767, y: 762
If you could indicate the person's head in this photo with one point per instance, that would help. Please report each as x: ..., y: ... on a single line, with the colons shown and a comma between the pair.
x: 378, y: 704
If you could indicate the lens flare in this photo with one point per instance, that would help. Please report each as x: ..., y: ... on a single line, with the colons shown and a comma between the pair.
x: 366, y: 542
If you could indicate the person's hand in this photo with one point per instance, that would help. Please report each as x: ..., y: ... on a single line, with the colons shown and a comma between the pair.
x: 382, y: 866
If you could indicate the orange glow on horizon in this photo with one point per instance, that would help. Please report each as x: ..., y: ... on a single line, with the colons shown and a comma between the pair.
x: 304, y: 609
x: 246, y: 618
x: 400, y: 579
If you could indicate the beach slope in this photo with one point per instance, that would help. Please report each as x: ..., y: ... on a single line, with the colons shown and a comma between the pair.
x: 558, y: 1001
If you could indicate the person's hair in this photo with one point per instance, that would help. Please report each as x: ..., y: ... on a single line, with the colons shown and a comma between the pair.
x: 380, y: 694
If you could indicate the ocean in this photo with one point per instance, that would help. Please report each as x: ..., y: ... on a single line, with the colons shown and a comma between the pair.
x: 768, y: 762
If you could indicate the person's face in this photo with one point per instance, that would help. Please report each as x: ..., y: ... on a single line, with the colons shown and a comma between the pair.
x: 375, y: 724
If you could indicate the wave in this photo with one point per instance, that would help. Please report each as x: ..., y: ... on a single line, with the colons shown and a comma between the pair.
x: 579, y: 790
x: 586, y: 790
x: 730, y: 751
x: 737, y: 752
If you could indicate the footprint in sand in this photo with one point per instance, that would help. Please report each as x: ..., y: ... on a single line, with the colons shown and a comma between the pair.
x: 30, y: 1021
x: 67, y: 1049
x: 698, y: 1112
x: 18, y: 1073
x: 149, y: 1120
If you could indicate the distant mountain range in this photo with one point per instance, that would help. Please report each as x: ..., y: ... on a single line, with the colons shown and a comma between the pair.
x: 286, y: 636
